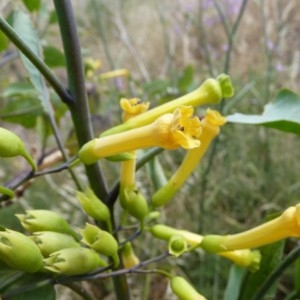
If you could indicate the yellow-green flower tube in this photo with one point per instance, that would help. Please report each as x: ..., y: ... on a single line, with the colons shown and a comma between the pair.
x: 286, y: 225
x: 210, y: 129
x: 243, y: 258
x: 210, y: 92
x: 184, y: 290
x: 170, y: 131
x: 129, y: 258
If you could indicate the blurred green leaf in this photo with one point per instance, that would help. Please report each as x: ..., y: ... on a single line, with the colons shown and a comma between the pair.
x: 19, y: 89
x: 45, y: 292
x: 297, y: 275
x: 32, y: 5
x: 23, y: 111
x: 23, y: 105
x: 282, y: 114
x: 23, y: 26
x: 3, y: 41
x: 234, y: 283
x: 53, y: 17
x: 53, y: 57
x: 186, y: 79
x: 155, y: 87
x: 271, y: 258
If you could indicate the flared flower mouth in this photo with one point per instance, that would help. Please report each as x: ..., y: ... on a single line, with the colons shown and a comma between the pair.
x: 183, y: 129
x: 214, y: 117
x: 133, y: 107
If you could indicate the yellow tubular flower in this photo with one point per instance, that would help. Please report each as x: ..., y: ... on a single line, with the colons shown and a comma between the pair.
x: 132, y: 107
x: 244, y: 258
x: 210, y: 92
x: 114, y: 73
x: 170, y: 131
x: 286, y: 225
x: 210, y: 129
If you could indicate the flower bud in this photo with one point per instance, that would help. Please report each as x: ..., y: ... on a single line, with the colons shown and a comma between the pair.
x: 128, y: 256
x: 101, y: 241
x: 94, y: 207
x: 20, y: 252
x: 11, y: 145
x: 135, y: 203
x: 177, y: 245
x: 184, y: 290
x: 74, y: 261
x: 45, y: 220
x: 49, y: 241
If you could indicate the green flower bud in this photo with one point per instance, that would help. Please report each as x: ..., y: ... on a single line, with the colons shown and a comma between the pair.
x: 11, y: 145
x: 20, y: 252
x: 49, y: 241
x: 128, y: 256
x: 74, y: 261
x: 101, y: 241
x: 94, y: 207
x: 184, y: 290
x: 135, y: 203
x: 177, y: 245
x: 45, y: 220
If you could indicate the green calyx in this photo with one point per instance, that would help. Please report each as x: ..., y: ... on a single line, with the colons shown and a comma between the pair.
x: 45, y: 220
x: 20, y: 252
x: 74, y: 261
x: 101, y: 241
x: 94, y: 207
x: 135, y: 203
x: 11, y: 145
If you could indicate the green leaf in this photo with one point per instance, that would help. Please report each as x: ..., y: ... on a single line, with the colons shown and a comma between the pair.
x: 282, y: 114
x: 271, y: 258
x: 158, y: 86
x: 19, y: 89
x: 23, y: 26
x: 186, y: 79
x: 32, y: 5
x: 3, y: 41
x: 45, y: 292
x: 297, y: 275
x: 22, y: 110
x: 234, y: 283
x: 53, y: 57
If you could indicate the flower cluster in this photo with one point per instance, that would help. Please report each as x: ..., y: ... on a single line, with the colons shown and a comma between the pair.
x: 54, y: 246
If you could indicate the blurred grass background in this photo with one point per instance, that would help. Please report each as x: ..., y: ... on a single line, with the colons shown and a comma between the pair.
x: 169, y: 48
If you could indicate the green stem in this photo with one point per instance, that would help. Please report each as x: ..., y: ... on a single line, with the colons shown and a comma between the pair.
x: 76, y: 82
x: 203, y: 41
x: 230, y: 35
x: 36, y: 60
x: 289, y: 259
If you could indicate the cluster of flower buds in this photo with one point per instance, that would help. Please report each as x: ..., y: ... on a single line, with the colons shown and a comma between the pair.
x: 54, y: 246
